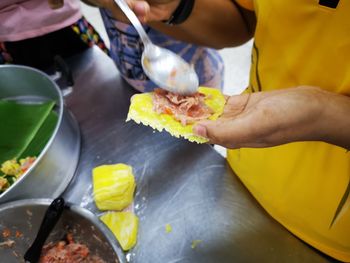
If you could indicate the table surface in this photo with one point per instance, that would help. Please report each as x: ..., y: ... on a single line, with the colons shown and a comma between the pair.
x: 187, y: 185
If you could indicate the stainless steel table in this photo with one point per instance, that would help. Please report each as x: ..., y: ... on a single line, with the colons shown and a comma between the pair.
x: 189, y: 186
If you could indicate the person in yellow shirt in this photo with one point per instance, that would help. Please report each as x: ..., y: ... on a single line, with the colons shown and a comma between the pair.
x: 289, y: 133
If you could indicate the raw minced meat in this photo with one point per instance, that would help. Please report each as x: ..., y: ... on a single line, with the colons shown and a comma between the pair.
x: 186, y: 109
x: 68, y: 252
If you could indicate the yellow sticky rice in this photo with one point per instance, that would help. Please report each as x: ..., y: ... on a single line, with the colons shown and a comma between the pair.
x: 124, y: 226
x: 114, y: 186
x: 141, y: 111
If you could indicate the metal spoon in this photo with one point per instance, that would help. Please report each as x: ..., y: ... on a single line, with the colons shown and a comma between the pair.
x: 162, y: 66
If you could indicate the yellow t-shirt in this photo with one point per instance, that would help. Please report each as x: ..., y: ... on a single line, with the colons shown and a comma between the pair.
x: 302, y: 185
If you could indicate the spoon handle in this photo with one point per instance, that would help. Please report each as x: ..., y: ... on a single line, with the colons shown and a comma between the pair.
x: 134, y: 21
x: 51, y: 217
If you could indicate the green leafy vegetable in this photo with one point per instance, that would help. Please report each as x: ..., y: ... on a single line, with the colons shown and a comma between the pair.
x: 19, y: 125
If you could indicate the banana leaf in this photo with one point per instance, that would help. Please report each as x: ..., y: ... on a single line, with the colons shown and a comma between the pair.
x: 42, y: 136
x: 20, y: 123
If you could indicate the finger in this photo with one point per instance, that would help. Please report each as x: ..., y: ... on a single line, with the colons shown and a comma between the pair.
x: 205, y: 130
x: 141, y: 9
x: 211, y: 130
x: 213, y: 133
x: 200, y: 130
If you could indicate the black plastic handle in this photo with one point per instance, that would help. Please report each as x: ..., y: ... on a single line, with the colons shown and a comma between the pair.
x: 61, y: 66
x: 51, y: 217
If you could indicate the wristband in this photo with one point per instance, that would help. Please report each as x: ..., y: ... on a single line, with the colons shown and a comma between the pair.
x: 181, y: 13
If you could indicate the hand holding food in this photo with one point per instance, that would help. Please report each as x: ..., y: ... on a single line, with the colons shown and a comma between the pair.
x: 267, y: 119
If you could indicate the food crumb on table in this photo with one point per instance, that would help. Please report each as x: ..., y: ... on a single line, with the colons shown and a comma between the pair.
x: 168, y: 228
x: 195, y: 243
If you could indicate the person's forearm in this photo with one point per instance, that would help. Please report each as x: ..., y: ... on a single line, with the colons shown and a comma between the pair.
x: 336, y: 124
x: 92, y: 3
x: 217, y: 24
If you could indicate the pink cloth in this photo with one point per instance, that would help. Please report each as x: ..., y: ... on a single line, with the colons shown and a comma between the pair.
x: 22, y: 19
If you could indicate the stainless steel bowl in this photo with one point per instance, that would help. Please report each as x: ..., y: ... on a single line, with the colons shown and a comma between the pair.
x: 54, y: 168
x: 26, y: 216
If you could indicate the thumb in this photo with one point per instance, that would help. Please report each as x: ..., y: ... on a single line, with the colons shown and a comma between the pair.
x: 224, y: 132
x: 207, y: 129
x: 200, y: 130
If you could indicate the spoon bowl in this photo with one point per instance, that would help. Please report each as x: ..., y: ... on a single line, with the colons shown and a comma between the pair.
x: 165, y: 68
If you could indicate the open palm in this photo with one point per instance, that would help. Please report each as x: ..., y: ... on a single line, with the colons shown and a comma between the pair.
x: 267, y: 119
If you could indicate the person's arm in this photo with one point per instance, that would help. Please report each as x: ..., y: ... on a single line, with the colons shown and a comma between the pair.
x: 217, y: 24
x: 273, y: 118
x: 91, y: 3
x: 337, y: 121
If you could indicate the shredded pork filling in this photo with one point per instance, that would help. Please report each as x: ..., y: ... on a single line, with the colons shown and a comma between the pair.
x: 185, y: 109
x: 68, y: 252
